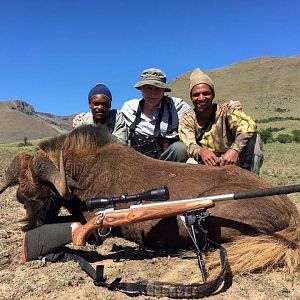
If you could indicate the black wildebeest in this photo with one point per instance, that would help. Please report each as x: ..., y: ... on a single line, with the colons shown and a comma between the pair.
x: 262, y: 232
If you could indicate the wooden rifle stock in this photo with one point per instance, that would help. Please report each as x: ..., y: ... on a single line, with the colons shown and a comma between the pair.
x: 137, y: 213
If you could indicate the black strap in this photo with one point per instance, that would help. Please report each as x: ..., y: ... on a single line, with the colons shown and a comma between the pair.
x: 170, y: 117
x: 166, y: 289
x: 159, y: 118
x: 207, y: 123
x: 177, y: 291
x: 144, y: 287
x: 137, y: 116
x: 65, y: 254
x: 153, y: 288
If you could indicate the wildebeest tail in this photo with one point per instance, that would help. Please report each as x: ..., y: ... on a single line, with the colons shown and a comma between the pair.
x: 264, y: 252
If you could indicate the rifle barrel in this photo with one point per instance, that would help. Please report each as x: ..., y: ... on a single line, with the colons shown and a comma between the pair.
x: 279, y: 190
x: 287, y: 189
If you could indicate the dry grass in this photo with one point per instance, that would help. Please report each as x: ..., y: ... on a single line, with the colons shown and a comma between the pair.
x: 281, y: 166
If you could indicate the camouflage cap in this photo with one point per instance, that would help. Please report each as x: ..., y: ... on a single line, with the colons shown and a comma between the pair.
x: 154, y: 77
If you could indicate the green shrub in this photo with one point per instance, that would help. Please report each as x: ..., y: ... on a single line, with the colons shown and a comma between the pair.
x: 266, y: 136
x: 281, y: 110
x: 296, y: 135
x: 25, y: 143
x: 275, y: 129
x: 274, y: 119
x: 284, y: 138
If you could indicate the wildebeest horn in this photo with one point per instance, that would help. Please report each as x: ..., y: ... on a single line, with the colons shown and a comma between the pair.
x: 66, y: 182
x: 11, y: 175
x: 63, y: 188
x: 45, y: 169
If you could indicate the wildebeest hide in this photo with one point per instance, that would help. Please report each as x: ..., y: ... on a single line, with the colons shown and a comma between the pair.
x: 105, y: 168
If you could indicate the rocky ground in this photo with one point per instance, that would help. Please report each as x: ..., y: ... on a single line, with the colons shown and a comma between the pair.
x: 36, y: 280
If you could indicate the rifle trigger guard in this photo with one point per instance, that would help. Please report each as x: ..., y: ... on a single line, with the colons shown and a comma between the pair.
x: 104, y: 232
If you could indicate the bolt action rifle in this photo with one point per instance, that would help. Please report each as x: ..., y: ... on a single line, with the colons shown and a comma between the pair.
x: 193, y: 211
x: 139, y: 212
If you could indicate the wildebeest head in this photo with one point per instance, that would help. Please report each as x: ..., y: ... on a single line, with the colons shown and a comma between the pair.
x: 41, y: 185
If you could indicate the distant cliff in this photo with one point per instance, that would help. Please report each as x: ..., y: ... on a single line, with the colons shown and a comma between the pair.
x: 22, y: 106
x: 18, y: 119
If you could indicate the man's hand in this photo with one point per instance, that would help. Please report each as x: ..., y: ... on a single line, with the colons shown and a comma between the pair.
x: 77, y: 119
x: 235, y: 104
x: 230, y: 157
x: 208, y: 157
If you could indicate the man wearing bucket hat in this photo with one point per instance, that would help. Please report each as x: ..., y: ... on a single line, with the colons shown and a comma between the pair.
x: 218, y: 134
x: 99, y: 99
x: 153, y: 119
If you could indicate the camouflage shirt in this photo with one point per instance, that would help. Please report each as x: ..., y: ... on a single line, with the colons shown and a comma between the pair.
x: 231, y: 128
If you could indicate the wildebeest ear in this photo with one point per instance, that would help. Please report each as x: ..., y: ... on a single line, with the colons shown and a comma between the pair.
x: 12, y: 173
x: 73, y: 184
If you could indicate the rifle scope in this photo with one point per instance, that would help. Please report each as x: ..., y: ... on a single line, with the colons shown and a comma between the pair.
x: 161, y: 193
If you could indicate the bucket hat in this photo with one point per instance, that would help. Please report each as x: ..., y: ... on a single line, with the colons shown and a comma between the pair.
x: 154, y: 77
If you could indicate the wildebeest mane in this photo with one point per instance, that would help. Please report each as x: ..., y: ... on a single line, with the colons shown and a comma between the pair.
x: 83, y: 138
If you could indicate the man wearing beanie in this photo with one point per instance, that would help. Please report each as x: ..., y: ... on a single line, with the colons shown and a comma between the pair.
x: 153, y: 119
x: 218, y: 135
x: 99, y: 99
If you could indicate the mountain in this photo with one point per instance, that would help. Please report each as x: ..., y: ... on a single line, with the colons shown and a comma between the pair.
x: 18, y: 119
x: 268, y: 87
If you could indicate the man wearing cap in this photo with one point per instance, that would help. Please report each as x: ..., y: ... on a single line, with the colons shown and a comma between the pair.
x: 153, y: 119
x: 218, y: 135
x: 99, y: 100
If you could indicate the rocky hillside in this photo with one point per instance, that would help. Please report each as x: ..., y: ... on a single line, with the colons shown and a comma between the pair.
x: 18, y: 119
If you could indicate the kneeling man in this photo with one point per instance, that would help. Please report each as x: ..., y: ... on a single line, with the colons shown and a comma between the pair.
x: 218, y: 135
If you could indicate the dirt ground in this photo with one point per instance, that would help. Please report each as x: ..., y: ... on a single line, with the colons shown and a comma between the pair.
x: 35, y: 280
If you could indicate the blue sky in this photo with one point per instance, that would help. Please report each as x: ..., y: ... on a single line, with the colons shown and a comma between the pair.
x: 53, y: 52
